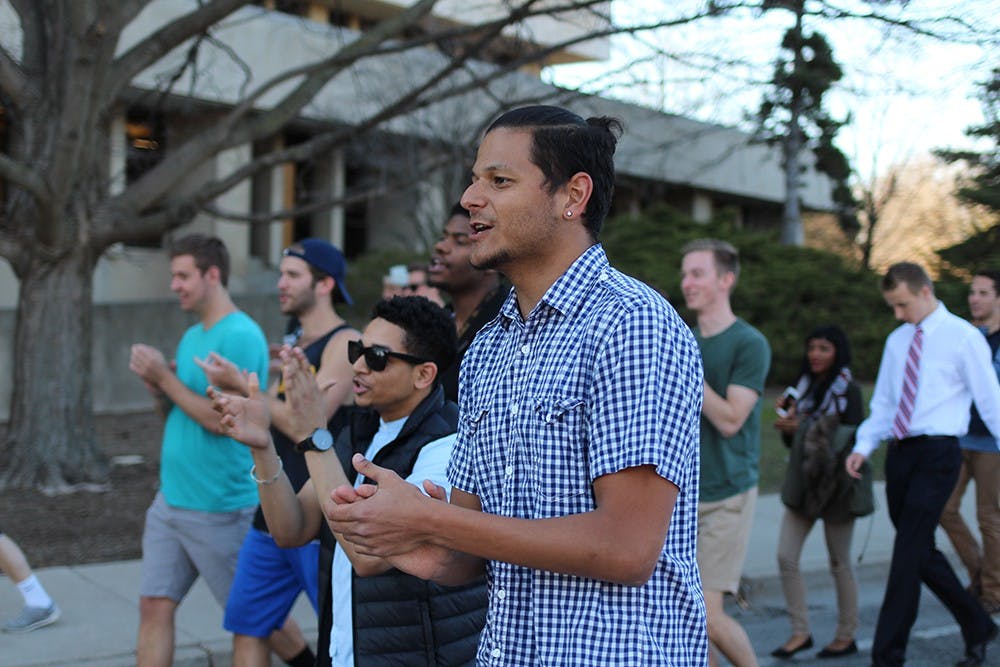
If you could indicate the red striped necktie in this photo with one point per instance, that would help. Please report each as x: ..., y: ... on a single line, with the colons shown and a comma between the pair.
x: 911, y: 377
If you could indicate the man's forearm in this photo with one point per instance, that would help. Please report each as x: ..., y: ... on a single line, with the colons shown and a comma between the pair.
x: 728, y: 413
x: 282, y: 419
x: 198, y: 408
x: 619, y: 541
x: 440, y: 565
x: 327, y: 474
x: 580, y: 544
x: 286, y: 520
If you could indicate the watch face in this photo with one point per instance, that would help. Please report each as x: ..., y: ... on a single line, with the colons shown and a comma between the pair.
x: 322, y: 439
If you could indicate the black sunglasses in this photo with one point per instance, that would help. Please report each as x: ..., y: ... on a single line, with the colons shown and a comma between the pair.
x: 376, y: 356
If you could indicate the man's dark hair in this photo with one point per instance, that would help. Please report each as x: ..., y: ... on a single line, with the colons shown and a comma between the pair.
x: 564, y: 144
x: 429, y: 332
x: 207, y: 251
x: 458, y: 209
x: 906, y: 273
x: 992, y: 274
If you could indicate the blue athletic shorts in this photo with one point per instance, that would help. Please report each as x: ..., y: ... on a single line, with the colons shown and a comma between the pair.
x: 268, y: 581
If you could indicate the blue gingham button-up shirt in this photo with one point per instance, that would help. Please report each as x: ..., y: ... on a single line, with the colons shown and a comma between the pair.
x: 603, y: 375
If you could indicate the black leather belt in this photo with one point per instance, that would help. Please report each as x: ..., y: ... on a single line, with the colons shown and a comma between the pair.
x: 915, y: 439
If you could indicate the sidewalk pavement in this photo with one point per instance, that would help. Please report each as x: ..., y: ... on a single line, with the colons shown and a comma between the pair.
x: 100, y: 613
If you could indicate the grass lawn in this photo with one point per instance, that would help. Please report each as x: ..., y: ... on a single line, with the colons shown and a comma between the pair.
x: 774, y: 454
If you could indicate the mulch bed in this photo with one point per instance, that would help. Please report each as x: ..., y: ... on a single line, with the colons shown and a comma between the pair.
x: 92, y: 526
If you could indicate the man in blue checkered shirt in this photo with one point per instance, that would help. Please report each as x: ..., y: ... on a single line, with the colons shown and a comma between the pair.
x: 575, y: 475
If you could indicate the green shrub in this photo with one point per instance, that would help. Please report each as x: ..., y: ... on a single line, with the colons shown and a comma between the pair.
x: 364, y: 281
x: 784, y: 291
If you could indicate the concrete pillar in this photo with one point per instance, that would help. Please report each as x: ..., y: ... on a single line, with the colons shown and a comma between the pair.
x: 338, y: 188
x: 119, y: 149
x: 701, y: 207
x: 236, y: 235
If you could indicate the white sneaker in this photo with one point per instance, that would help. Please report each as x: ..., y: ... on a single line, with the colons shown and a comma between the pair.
x: 32, y: 618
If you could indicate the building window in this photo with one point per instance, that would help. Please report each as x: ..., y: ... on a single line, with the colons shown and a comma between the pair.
x: 145, y: 142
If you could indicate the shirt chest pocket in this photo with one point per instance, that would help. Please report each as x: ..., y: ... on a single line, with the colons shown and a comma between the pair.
x: 937, y: 373
x: 557, y: 440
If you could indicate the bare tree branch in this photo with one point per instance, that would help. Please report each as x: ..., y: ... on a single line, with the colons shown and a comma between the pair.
x: 414, y: 99
x: 24, y: 177
x: 159, y: 180
x: 12, y: 80
x: 116, y: 14
x: 949, y: 27
x: 164, y: 40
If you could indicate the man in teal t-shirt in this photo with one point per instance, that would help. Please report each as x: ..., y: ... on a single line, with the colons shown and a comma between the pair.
x: 736, y: 358
x: 207, y: 496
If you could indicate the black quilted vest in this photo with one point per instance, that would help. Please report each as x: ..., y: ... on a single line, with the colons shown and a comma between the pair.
x: 400, y: 619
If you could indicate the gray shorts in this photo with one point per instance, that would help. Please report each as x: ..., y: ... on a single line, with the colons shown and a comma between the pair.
x: 179, y: 544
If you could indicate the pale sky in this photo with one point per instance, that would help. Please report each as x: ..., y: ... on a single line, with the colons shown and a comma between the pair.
x: 906, y: 95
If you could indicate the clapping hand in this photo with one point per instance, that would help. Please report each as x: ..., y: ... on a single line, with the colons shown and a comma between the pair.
x: 244, y: 418
x: 148, y: 363
x: 303, y: 396
x: 223, y: 373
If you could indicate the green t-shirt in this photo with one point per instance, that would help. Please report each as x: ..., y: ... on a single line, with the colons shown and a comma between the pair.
x: 739, y: 355
x: 200, y: 470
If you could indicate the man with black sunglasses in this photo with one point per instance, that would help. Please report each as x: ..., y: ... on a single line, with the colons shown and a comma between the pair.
x: 404, y: 422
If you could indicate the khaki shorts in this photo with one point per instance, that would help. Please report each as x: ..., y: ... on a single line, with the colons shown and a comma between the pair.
x: 723, y: 534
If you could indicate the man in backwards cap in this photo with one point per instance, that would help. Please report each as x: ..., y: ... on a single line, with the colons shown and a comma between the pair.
x: 268, y: 577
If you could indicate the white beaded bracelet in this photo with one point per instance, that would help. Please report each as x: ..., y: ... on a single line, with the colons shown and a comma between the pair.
x: 253, y: 473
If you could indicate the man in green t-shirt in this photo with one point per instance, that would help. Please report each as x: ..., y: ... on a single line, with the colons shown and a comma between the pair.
x: 736, y: 358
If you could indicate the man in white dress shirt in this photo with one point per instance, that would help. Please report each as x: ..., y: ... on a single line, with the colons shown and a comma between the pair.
x: 933, y: 368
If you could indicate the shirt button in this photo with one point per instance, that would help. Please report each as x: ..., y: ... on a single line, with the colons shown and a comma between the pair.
x: 604, y: 275
x: 495, y: 653
x: 513, y: 409
x: 501, y: 594
x: 525, y: 348
x: 509, y: 470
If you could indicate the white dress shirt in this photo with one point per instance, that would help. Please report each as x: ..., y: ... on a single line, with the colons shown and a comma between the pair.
x: 955, y: 370
x: 431, y: 463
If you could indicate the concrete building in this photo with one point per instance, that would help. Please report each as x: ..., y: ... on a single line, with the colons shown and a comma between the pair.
x: 695, y: 166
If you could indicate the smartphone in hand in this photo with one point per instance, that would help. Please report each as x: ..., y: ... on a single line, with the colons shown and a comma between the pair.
x: 787, y: 400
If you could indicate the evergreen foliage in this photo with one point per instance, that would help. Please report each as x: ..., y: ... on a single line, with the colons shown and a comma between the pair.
x: 792, y: 114
x: 984, y: 188
x: 981, y: 250
x: 784, y: 291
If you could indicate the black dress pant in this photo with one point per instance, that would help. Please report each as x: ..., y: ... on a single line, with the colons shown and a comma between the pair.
x: 920, y: 474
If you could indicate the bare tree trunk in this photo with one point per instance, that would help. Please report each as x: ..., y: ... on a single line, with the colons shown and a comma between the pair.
x: 791, y: 219
x: 872, y: 213
x: 51, y: 442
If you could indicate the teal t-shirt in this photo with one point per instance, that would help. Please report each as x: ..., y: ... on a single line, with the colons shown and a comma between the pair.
x: 200, y: 470
x: 738, y: 355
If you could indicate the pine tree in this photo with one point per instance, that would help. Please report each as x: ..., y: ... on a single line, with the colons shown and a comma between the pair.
x: 792, y: 116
